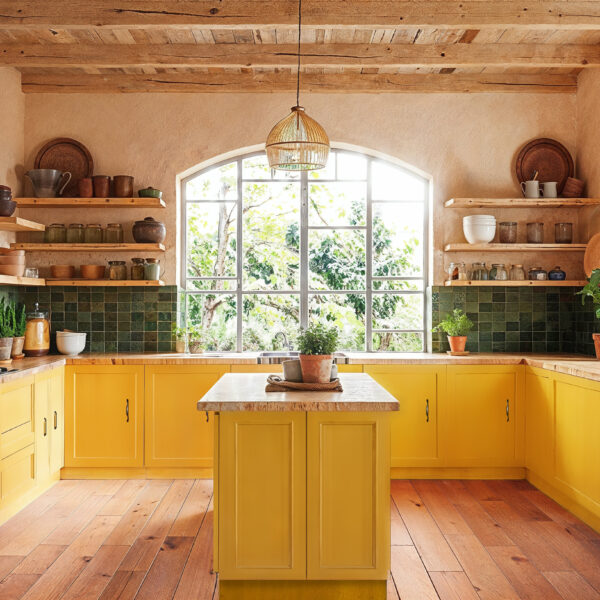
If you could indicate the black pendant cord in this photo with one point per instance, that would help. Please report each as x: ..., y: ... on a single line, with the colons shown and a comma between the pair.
x: 299, y: 35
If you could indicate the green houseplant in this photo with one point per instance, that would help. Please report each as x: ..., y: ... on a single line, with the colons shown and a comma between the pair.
x: 19, y: 320
x: 455, y: 325
x: 6, y: 330
x: 317, y: 344
x: 196, y: 339
x: 592, y: 290
x: 180, y: 335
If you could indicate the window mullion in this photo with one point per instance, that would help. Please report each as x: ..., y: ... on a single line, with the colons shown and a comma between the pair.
x: 369, y: 263
x: 239, y: 242
x: 304, y: 250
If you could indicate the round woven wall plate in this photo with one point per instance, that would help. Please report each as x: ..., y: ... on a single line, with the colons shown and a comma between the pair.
x: 549, y: 158
x: 65, y: 154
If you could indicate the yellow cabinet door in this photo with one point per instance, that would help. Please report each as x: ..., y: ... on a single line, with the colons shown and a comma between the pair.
x: 414, y: 428
x: 17, y: 474
x: 348, y: 491
x: 176, y: 434
x: 16, y: 416
x: 483, y: 417
x: 56, y: 418
x: 539, y: 423
x: 262, y: 495
x: 104, y: 416
x: 577, y: 443
x: 42, y: 426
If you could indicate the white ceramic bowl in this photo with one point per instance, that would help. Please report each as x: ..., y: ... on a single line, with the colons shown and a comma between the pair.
x: 479, y: 233
x: 71, y: 343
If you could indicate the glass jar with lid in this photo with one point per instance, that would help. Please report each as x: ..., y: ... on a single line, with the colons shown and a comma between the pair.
x: 479, y: 272
x: 117, y: 270
x: 498, y: 272
x: 93, y: 234
x: 113, y: 234
x: 537, y: 274
x: 457, y: 271
x: 55, y: 234
x: 137, y: 269
x: 75, y: 234
x: 37, y: 333
x: 517, y: 273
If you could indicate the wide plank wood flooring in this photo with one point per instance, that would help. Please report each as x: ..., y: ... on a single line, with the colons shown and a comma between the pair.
x: 451, y: 540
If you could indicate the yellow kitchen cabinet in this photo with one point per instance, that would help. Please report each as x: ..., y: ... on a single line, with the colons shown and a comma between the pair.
x: 262, y: 521
x: 104, y: 416
x: 483, y: 416
x: 176, y: 434
x: 348, y: 489
x: 414, y: 428
x: 57, y: 420
x: 539, y: 423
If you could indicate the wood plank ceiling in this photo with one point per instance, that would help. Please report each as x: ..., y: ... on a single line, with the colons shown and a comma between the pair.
x: 348, y: 45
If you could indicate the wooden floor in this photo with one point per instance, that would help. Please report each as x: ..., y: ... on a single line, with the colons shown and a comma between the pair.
x: 454, y: 540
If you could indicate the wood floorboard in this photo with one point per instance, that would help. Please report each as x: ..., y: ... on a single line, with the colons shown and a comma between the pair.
x: 152, y: 539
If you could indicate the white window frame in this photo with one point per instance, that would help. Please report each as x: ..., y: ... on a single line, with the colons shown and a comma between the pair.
x: 305, y: 292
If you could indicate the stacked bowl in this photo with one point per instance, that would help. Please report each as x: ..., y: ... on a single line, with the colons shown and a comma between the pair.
x: 7, y: 204
x: 12, y: 262
x: 479, y: 229
x: 70, y: 342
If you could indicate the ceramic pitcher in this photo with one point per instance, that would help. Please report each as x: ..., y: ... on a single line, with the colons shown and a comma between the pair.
x: 48, y: 183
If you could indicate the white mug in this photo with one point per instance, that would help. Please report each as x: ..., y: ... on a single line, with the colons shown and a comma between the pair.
x: 549, y: 189
x: 530, y: 189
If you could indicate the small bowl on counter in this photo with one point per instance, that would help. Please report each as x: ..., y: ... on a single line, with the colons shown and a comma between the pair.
x: 92, y: 271
x: 70, y: 342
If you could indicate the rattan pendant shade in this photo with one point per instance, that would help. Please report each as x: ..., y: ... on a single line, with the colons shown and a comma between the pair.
x: 297, y: 143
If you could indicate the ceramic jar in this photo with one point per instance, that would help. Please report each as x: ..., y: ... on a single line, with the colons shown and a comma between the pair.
x: 537, y: 274
x: 149, y: 231
x: 557, y: 274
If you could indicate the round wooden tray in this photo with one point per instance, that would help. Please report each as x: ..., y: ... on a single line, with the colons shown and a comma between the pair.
x: 66, y: 154
x: 549, y: 158
x: 591, y: 258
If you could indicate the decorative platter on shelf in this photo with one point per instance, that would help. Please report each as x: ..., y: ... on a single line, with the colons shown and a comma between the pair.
x: 549, y: 158
x: 591, y: 258
x: 66, y: 154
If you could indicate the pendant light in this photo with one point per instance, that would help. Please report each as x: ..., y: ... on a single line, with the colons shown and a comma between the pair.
x: 297, y: 143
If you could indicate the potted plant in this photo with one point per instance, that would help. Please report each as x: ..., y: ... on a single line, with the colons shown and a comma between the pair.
x: 6, y: 331
x: 180, y: 334
x: 196, y: 339
x: 19, y: 321
x: 456, y: 325
x: 592, y: 290
x: 317, y: 344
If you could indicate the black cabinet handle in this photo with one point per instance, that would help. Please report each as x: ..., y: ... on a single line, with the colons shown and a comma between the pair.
x: 55, y: 420
x: 45, y: 427
x: 127, y: 410
x: 427, y: 410
x: 507, y: 410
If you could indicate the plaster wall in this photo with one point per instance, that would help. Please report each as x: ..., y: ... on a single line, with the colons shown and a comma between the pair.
x: 467, y: 143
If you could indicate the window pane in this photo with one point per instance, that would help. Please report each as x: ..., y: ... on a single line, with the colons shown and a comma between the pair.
x: 398, y: 239
x: 351, y: 166
x: 398, y: 342
x: 217, y: 285
x: 328, y: 172
x: 271, y: 236
x: 217, y: 315
x: 264, y: 315
x: 257, y: 167
x: 336, y: 259
x: 393, y: 183
x: 398, y: 311
x: 344, y: 311
x: 219, y: 183
x: 410, y: 285
x: 211, y: 239
x: 337, y: 204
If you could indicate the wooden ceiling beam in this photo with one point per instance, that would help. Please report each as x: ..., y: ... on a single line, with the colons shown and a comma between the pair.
x: 228, y: 14
x: 313, y: 55
x: 284, y: 82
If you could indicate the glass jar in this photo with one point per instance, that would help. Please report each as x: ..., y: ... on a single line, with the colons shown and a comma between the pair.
x: 93, y: 234
x: 557, y: 274
x: 117, y: 271
x: 37, y: 333
x: 457, y: 271
x: 75, y: 234
x: 498, y: 273
x: 137, y: 269
x: 479, y: 272
x: 537, y: 274
x: 517, y: 273
x: 55, y: 234
x: 535, y: 233
x: 508, y: 232
x: 113, y: 234
x: 563, y: 233
x: 152, y: 269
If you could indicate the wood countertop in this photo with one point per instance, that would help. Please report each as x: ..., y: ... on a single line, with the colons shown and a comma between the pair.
x: 27, y: 367
x: 246, y: 392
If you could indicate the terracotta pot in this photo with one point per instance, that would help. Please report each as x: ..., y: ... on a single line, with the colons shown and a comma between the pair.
x: 149, y: 231
x: 85, y: 187
x: 5, y: 348
x: 316, y: 368
x: 196, y: 347
x: 101, y: 186
x: 457, y: 342
x: 180, y: 346
x: 123, y: 186
x: 17, y: 347
x: 596, y: 337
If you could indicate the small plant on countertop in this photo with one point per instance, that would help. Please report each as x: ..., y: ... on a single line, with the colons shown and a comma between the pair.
x: 180, y: 335
x: 592, y: 290
x: 455, y: 325
x: 196, y: 339
x: 7, y: 319
x: 316, y: 344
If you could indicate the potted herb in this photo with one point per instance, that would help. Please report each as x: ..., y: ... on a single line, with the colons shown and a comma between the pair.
x: 317, y: 344
x: 456, y: 325
x: 592, y: 290
x: 6, y: 331
x: 196, y: 339
x: 180, y: 334
x: 19, y: 321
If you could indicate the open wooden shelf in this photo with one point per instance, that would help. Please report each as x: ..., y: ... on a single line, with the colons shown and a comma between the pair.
x: 90, y: 202
x: 18, y: 224
x: 103, y: 283
x: 521, y: 202
x: 526, y: 283
x: 515, y: 247
x: 30, y: 281
x: 42, y: 247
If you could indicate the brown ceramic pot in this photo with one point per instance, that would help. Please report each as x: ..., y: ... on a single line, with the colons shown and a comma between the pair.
x: 7, y: 207
x: 316, y: 368
x: 123, y: 186
x: 457, y: 342
x: 5, y: 348
x: 85, y: 187
x: 596, y: 337
x: 149, y: 231
x: 101, y: 186
x: 17, y: 347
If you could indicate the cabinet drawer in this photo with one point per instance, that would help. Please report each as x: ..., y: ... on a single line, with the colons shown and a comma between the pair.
x: 16, y: 404
x: 16, y: 439
x: 17, y: 474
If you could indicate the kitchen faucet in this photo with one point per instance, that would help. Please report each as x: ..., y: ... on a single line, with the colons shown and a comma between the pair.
x: 286, y: 343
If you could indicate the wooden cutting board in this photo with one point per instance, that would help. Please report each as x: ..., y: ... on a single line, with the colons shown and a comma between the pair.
x: 549, y: 158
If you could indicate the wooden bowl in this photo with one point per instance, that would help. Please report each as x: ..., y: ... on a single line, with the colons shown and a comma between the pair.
x: 62, y: 271
x: 11, y: 259
x: 8, y: 251
x: 14, y: 270
x: 92, y: 271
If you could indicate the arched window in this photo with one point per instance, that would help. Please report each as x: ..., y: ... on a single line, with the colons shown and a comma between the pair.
x: 267, y: 252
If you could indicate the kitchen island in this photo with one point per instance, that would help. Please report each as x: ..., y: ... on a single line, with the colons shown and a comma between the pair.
x: 301, y: 489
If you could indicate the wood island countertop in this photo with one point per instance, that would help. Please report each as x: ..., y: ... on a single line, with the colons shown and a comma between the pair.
x: 246, y: 392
